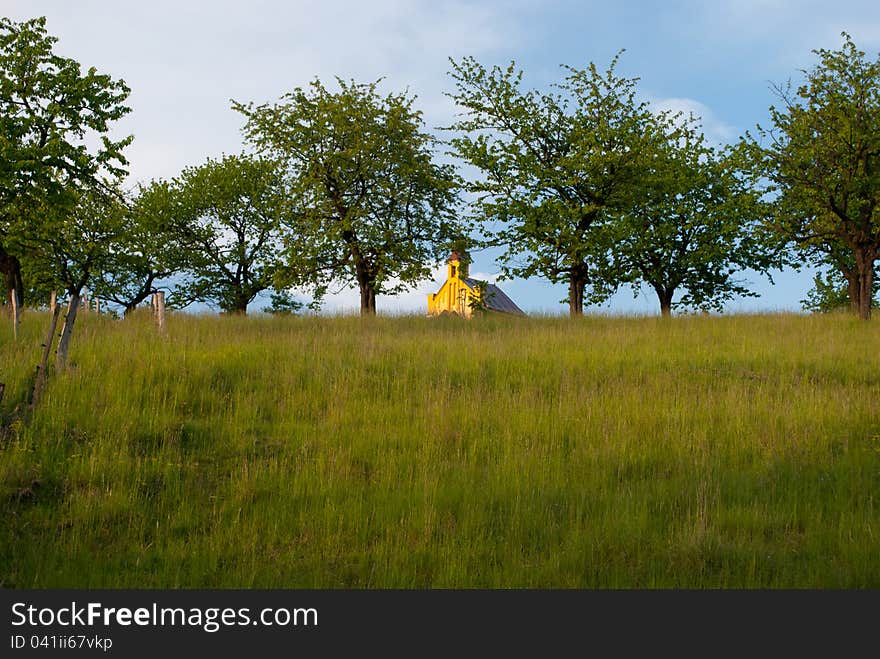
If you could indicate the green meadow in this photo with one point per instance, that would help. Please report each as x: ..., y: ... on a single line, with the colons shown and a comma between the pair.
x: 318, y: 452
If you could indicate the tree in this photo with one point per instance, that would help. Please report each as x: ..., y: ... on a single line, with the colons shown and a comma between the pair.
x: 282, y: 302
x: 695, y: 224
x: 227, y: 218
x: 146, y: 252
x: 831, y: 292
x: 49, y: 109
x: 839, y: 276
x: 371, y: 208
x: 823, y: 161
x: 556, y: 167
x: 72, y: 242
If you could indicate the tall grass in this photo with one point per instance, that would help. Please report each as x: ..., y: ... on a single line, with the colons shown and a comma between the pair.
x: 700, y: 452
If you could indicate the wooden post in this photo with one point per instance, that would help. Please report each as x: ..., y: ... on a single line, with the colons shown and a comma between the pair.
x: 97, y: 305
x: 67, y: 331
x: 16, y: 315
x: 53, y: 302
x: 86, y: 303
x: 160, y: 309
x: 40, y: 382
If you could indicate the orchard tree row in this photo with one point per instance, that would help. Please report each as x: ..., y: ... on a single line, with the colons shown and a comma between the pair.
x: 582, y: 184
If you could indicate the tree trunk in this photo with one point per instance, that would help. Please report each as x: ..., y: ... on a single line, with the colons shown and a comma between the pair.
x: 365, y: 278
x: 865, y: 264
x: 67, y: 332
x: 10, y: 266
x: 132, y: 304
x: 577, y: 282
x: 865, y: 295
x: 241, y: 305
x: 143, y: 293
x: 854, y: 289
x: 665, y: 296
x: 19, y: 285
x: 368, y: 298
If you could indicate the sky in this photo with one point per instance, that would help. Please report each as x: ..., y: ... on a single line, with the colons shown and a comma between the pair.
x: 185, y: 60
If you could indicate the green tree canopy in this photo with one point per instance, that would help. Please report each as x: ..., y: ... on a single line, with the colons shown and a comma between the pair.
x: 147, y: 253
x: 821, y: 156
x: 556, y: 167
x: 226, y: 220
x: 71, y: 243
x: 369, y: 206
x: 694, y: 226
x: 49, y: 108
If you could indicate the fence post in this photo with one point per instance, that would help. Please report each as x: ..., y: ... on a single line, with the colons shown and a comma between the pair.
x: 16, y: 313
x: 66, y: 331
x: 42, y: 369
x: 157, y: 302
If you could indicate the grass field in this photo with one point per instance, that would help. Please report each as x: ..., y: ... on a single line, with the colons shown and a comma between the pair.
x: 706, y: 452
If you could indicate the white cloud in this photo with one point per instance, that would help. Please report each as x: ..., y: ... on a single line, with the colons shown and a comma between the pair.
x: 486, y: 276
x: 184, y: 61
x: 715, y: 130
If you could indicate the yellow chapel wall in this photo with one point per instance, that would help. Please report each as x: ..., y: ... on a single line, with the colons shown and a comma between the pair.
x: 454, y: 296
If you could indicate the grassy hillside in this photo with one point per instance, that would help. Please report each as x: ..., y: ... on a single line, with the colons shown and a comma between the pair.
x: 406, y: 452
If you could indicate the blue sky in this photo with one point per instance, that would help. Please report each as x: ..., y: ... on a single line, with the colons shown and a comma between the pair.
x: 184, y: 60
